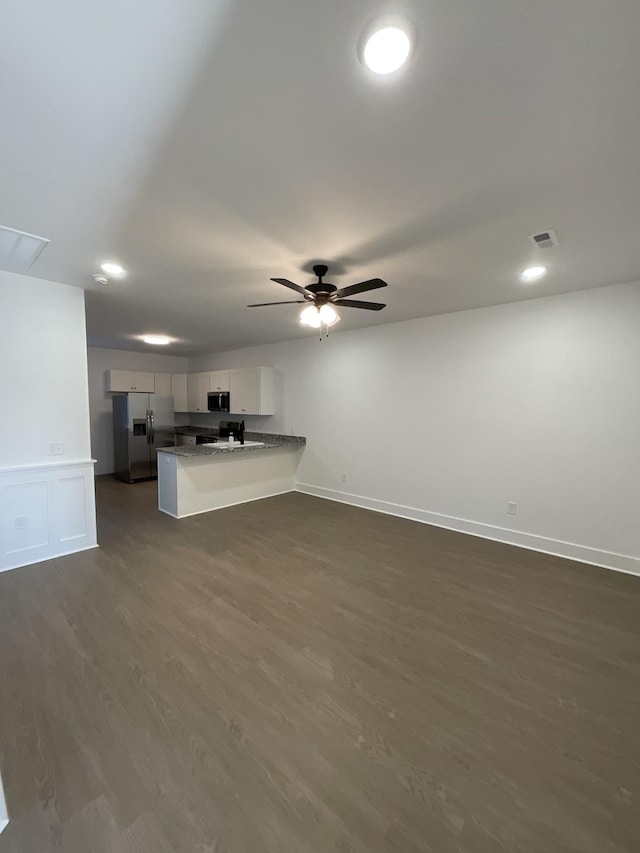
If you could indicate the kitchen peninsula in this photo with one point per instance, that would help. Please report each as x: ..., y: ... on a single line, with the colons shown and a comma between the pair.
x: 199, y: 478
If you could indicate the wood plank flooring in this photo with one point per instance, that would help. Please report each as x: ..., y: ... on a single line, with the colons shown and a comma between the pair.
x: 298, y: 675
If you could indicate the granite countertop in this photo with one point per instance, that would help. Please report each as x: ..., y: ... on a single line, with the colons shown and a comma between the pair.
x: 271, y: 441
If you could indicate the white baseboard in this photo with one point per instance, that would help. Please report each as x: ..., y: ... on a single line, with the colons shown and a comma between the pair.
x: 47, y: 511
x: 4, y: 815
x: 532, y: 542
x: 225, y: 505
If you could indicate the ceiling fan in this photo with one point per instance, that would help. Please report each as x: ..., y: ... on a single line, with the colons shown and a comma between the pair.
x: 320, y: 297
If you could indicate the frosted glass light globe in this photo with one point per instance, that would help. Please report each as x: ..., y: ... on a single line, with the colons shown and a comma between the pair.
x: 310, y: 316
x: 328, y: 315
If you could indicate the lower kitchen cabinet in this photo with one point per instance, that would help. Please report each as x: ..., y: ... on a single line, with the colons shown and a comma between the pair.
x: 251, y: 391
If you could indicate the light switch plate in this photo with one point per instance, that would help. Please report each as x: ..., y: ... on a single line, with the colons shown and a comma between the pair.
x: 56, y: 448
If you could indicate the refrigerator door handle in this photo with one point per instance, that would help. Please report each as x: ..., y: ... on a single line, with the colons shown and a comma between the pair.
x: 153, y: 427
x: 148, y: 427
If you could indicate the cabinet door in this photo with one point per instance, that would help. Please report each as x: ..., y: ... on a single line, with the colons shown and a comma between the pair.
x: 251, y: 391
x: 244, y: 391
x: 198, y: 388
x: 144, y: 382
x: 162, y: 384
x: 179, y: 392
x: 219, y: 380
x: 185, y: 440
x: 193, y: 391
x: 120, y: 380
x: 205, y: 387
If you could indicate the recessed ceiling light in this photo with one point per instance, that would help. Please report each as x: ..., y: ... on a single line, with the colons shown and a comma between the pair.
x: 114, y: 269
x: 157, y: 340
x: 532, y: 274
x: 102, y: 280
x: 387, y: 47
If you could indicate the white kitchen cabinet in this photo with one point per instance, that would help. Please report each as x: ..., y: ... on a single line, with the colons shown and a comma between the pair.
x: 179, y: 392
x: 219, y: 380
x: 251, y: 391
x: 185, y: 440
x: 144, y: 382
x: 198, y: 386
x: 128, y: 380
x: 162, y: 382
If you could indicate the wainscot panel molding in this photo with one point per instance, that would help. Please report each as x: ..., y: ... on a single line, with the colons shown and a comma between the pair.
x: 47, y: 511
x: 4, y: 817
x: 568, y: 550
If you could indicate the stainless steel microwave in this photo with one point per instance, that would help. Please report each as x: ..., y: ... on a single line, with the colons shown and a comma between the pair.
x: 218, y: 401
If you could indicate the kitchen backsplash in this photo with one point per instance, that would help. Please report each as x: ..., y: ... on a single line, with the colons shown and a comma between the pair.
x: 253, y: 423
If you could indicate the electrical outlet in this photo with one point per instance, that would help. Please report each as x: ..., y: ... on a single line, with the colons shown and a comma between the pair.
x: 512, y: 506
x: 21, y: 522
x: 56, y: 448
x: 343, y: 477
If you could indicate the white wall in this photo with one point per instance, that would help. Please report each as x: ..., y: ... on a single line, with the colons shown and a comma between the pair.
x: 44, y: 370
x: 100, y: 361
x: 447, y: 418
x: 43, y: 389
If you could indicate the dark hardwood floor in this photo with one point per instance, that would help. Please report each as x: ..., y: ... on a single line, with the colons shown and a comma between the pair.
x: 298, y: 675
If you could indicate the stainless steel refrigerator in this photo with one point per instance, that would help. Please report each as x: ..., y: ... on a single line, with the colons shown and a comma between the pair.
x: 141, y: 424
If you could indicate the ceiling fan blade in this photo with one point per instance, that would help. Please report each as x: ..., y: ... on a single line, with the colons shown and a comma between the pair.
x: 355, y: 303
x: 361, y: 287
x: 287, y: 302
x: 297, y: 287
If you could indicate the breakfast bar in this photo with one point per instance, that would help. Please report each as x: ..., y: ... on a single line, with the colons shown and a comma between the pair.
x: 199, y: 478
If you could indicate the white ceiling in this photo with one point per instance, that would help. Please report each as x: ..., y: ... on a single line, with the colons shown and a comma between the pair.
x: 211, y: 145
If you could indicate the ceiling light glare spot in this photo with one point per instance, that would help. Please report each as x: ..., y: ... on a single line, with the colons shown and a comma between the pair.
x: 531, y: 274
x: 386, y: 47
x: 310, y: 316
x: 328, y: 315
x: 157, y: 340
x: 113, y: 269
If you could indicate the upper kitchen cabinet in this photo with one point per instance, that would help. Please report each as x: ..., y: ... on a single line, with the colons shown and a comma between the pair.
x: 162, y: 383
x: 179, y: 392
x: 219, y: 380
x: 251, y: 391
x: 127, y: 380
x: 198, y: 386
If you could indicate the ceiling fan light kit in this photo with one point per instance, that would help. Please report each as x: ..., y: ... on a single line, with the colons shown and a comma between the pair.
x: 321, y: 297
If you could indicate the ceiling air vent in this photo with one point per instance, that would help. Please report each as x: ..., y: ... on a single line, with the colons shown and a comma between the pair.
x: 19, y: 250
x: 544, y: 240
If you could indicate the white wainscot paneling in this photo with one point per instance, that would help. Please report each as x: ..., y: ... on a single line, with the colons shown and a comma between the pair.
x: 4, y: 817
x: 46, y: 511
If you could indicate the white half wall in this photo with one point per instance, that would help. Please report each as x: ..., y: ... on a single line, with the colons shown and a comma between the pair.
x: 4, y: 817
x: 100, y: 361
x: 447, y: 419
x: 47, y: 502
